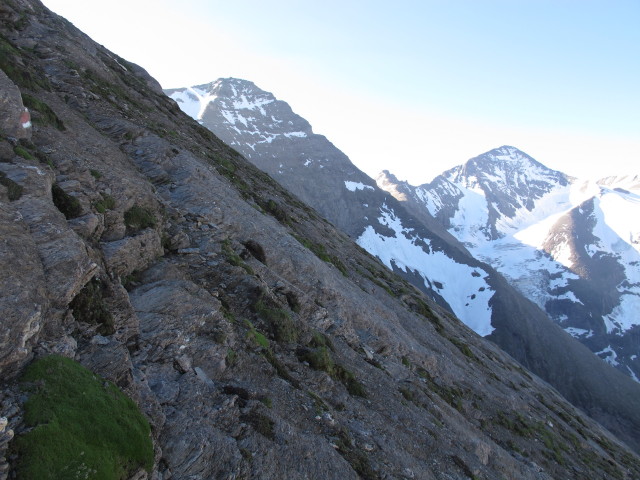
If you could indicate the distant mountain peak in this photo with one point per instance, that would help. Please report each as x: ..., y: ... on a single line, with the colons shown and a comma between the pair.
x: 507, y: 159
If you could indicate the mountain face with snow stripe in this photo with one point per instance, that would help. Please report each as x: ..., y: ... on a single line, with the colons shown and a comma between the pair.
x: 403, y: 235
x: 571, y: 246
x: 283, y: 144
x: 243, y: 107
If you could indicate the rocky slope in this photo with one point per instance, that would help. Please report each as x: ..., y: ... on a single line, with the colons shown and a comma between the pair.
x: 260, y: 341
x: 408, y: 240
x: 569, y: 245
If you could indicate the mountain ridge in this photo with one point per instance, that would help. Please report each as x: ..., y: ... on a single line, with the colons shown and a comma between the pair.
x: 562, y: 243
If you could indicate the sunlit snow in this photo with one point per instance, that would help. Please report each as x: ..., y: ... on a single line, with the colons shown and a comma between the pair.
x: 463, y: 287
x: 353, y: 186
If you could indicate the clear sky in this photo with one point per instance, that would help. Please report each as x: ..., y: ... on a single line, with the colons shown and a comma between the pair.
x: 412, y: 86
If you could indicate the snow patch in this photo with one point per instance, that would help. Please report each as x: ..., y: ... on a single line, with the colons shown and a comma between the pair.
x: 579, y: 332
x: 353, y: 186
x: 625, y: 315
x: 467, y: 293
x: 609, y: 355
x: 295, y: 134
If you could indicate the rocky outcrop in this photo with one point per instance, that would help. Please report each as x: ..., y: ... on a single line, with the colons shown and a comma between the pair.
x: 125, y: 256
x: 15, y: 119
x: 5, y: 437
x: 263, y: 343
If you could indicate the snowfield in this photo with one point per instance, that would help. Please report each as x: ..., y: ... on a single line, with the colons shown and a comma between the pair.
x: 463, y: 287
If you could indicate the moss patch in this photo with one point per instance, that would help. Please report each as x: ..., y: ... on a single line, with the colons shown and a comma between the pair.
x: 82, y: 426
x: 23, y: 152
x: 107, y: 202
x: 320, y: 251
x: 281, y: 325
x: 320, y: 358
x: 15, y: 63
x: 138, y: 218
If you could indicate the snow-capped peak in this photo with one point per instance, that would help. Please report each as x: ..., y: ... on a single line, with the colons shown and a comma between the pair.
x: 255, y: 117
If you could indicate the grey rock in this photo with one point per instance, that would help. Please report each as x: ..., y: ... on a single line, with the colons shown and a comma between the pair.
x: 183, y: 363
x: 89, y: 226
x: 15, y: 120
x: 132, y: 253
x: 203, y: 377
x: 179, y: 241
x: 100, y: 340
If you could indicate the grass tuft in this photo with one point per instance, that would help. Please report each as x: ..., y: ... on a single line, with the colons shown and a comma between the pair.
x: 138, y: 218
x: 320, y: 358
x: 282, y: 326
x: 81, y: 426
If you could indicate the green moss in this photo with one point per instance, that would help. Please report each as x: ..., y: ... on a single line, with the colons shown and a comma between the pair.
x: 95, y: 174
x: 232, y: 357
x: 23, y: 152
x: 107, y: 202
x: 319, y: 404
x: 320, y: 251
x: 233, y: 258
x: 407, y: 394
x: 258, y: 338
x: 450, y: 394
x: 138, y: 218
x: 14, y: 191
x: 320, y: 358
x: 279, y: 367
x: 45, y: 115
x: 275, y: 210
x: 358, y: 460
x: 67, y: 204
x: 131, y: 281
x: 281, y: 325
x: 463, y: 347
x: 320, y: 340
x: 15, y: 63
x: 81, y: 426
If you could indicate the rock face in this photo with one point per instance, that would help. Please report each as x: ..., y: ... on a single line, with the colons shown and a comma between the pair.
x: 15, y: 119
x: 418, y: 243
x: 260, y: 341
x: 569, y: 245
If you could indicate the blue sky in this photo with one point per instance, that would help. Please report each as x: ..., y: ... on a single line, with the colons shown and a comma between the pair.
x: 415, y: 87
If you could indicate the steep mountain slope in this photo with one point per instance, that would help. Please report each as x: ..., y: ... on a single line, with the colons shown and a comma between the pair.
x: 414, y: 245
x: 260, y: 341
x: 569, y: 245
x: 282, y: 144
